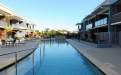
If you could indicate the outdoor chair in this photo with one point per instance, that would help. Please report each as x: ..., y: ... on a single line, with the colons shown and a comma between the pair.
x: 3, y: 43
x: 9, y: 41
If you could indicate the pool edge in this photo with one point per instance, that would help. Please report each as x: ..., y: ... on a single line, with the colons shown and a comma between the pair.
x: 12, y: 62
x: 105, y: 71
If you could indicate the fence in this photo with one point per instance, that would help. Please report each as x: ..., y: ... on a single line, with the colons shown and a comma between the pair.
x: 104, y: 36
x: 113, y: 38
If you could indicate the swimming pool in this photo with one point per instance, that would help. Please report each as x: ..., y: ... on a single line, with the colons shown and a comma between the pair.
x: 58, y: 58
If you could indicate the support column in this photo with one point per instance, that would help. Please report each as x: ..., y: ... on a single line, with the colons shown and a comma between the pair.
x: 84, y: 26
x: 7, y: 19
x: 112, y: 11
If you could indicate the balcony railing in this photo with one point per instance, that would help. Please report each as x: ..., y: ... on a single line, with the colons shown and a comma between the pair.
x: 101, y: 22
x: 15, y: 26
x: 116, y: 18
x: 2, y: 23
x: 89, y: 26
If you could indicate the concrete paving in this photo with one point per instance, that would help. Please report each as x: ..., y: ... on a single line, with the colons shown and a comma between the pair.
x: 108, y: 60
x: 9, y: 59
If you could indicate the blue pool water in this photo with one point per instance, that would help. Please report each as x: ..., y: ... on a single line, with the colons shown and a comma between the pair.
x: 58, y: 58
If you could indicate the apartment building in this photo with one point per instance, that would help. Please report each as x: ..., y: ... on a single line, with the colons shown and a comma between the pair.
x: 18, y: 23
x: 105, y: 21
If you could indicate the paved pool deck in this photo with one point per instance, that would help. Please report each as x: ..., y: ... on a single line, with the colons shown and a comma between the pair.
x: 9, y: 59
x: 108, y: 60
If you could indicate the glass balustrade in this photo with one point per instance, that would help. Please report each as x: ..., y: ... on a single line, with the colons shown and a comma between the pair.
x: 101, y: 22
x: 89, y: 26
x: 2, y: 23
x: 15, y: 25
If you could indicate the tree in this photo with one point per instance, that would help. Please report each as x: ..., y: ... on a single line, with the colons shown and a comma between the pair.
x: 63, y: 31
x: 47, y: 29
x: 37, y: 31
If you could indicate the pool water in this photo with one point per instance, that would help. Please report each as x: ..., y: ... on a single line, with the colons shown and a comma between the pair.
x: 57, y: 58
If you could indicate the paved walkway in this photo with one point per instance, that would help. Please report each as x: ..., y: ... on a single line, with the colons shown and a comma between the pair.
x: 8, y: 59
x: 106, y: 59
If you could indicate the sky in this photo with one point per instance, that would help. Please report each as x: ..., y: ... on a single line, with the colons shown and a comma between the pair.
x: 53, y: 14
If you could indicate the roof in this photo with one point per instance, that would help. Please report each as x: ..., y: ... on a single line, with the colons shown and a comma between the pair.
x: 5, y: 10
x: 78, y: 24
x: 99, y: 9
x: 16, y: 17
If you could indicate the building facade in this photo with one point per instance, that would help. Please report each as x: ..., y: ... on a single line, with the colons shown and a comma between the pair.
x: 105, y: 21
x: 8, y: 18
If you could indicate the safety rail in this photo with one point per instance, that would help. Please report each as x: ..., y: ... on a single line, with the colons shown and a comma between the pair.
x: 15, y: 52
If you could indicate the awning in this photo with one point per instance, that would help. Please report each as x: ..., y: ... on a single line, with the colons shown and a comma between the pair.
x: 78, y: 23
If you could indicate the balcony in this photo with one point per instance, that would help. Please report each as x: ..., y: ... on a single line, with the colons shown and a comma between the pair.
x: 89, y: 26
x: 116, y: 18
x: 15, y: 26
x: 101, y: 22
x: 3, y: 24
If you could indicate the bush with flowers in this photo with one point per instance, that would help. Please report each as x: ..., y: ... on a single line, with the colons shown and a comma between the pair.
x: 9, y: 30
x: 1, y: 32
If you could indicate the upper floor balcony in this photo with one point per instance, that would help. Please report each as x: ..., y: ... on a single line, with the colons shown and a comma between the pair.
x: 116, y: 18
x: 101, y: 22
x: 3, y: 24
x: 89, y: 26
x: 15, y: 26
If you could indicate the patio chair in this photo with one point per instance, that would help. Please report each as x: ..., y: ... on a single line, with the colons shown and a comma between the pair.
x: 3, y: 43
x: 9, y: 41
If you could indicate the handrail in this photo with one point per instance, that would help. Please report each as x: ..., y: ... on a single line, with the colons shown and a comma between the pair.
x: 15, y: 52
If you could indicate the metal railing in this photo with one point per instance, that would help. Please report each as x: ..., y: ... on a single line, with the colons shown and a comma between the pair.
x: 15, y: 52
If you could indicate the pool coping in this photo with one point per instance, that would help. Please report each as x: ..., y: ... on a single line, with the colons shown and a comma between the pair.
x: 105, y: 70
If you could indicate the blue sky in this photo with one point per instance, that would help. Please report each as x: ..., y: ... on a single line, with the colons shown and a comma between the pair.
x: 53, y: 14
